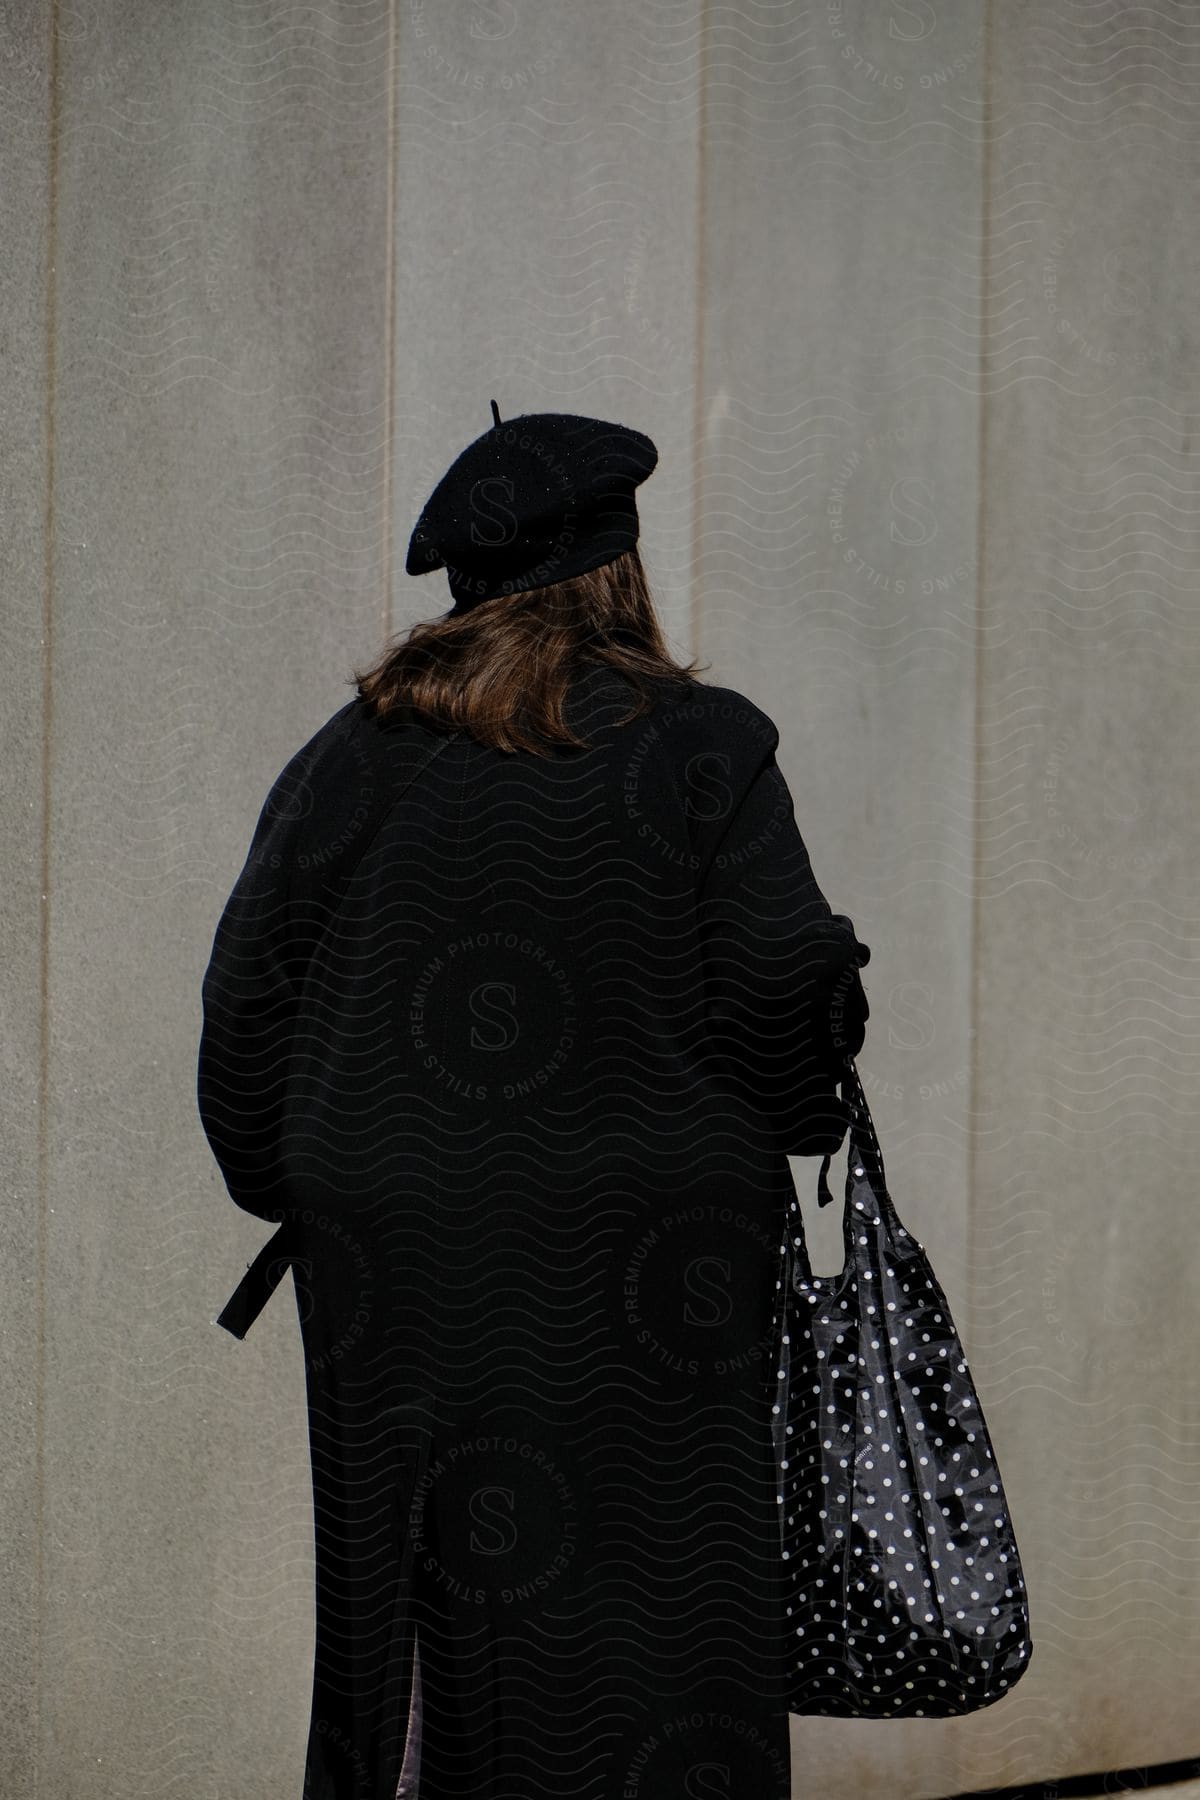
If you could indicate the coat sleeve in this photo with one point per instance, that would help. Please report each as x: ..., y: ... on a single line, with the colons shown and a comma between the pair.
x: 785, y: 1005
x: 248, y: 998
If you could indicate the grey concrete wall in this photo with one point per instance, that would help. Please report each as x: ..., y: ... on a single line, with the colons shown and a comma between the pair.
x: 906, y: 296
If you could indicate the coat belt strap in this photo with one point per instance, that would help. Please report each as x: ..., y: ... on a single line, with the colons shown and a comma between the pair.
x: 259, y: 1282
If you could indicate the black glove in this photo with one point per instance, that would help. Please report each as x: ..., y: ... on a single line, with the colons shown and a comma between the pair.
x: 844, y: 1011
x: 839, y: 1025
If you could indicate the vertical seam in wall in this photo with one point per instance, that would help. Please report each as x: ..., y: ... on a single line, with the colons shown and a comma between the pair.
x: 43, y: 1096
x: 694, y: 615
x: 389, y: 327
x: 980, y: 590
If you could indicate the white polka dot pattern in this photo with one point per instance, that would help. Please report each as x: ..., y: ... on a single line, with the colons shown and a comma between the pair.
x: 905, y: 1595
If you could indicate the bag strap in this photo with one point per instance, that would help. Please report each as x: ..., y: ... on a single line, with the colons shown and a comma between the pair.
x: 861, y: 1135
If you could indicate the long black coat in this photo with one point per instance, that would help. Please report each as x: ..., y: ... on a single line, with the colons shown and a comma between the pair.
x: 514, y: 1049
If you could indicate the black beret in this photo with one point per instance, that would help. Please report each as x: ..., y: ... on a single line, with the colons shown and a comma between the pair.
x: 532, y: 501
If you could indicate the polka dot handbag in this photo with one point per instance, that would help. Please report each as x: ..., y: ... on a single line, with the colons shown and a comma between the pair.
x: 904, y: 1590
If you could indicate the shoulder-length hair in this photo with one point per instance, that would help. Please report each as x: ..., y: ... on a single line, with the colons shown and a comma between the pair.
x: 502, y: 669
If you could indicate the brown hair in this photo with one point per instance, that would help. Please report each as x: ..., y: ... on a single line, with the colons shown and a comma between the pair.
x: 502, y: 669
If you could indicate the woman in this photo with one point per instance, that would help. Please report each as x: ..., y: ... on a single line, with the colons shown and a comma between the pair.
x: 519, y: 1004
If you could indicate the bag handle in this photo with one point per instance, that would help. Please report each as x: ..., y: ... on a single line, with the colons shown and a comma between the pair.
x: 864, y: 1147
